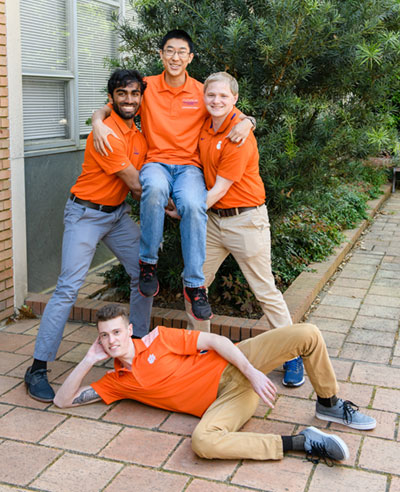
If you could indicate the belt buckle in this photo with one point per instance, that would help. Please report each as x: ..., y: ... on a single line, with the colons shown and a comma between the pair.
x: 101, y: 208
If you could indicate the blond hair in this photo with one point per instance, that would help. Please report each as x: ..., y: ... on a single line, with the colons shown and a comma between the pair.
x: 223, y: 77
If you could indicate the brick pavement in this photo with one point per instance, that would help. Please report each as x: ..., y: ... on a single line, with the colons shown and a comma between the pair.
x: 128, y: 446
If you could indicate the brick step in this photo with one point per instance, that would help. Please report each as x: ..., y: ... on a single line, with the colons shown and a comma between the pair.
x: 85, y: 310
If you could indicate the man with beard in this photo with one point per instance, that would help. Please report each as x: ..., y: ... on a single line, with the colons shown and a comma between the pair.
x: 96, y: 210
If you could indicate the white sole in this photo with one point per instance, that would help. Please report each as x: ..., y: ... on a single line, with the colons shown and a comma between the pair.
x: 341, y: 421
x: 293, y: 385
x: 337, y: 439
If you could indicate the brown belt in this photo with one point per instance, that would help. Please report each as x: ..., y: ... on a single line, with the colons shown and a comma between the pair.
x: 230, y: 212
x: 96, y: 206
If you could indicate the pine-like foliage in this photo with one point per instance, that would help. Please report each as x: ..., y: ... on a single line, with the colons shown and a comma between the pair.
x: 318, y: 75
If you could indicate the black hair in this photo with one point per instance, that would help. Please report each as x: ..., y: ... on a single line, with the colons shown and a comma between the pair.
x: 111, y: 311
x: 177, y: 34
x: 122, y: 77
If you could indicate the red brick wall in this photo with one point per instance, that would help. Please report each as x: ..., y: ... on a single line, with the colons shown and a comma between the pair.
x: 6, y: 261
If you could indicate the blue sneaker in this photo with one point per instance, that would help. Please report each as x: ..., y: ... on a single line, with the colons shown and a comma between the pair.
x: 347, y: 413
x: 294, y: 372
x: 319, y: 445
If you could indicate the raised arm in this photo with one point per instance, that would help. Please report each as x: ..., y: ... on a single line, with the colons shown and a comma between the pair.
x: 242, y: 130
x: 262, y: 385
x: 71, y: 393
x: 101, y: 131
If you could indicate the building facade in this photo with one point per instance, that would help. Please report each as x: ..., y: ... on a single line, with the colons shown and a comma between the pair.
x: 53, y: 74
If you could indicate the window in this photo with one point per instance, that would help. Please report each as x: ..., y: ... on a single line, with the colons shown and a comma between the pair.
x: 64, y: 46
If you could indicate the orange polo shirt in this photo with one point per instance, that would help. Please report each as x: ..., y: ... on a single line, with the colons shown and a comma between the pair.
x: 239, y: 164
x: 167, y: 372
x: 98, y: 182
x: 171, y: 120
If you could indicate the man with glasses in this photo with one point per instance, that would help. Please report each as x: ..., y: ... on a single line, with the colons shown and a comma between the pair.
x: 172, y: 114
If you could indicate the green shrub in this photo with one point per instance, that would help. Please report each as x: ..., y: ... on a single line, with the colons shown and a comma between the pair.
x: 319, y: 76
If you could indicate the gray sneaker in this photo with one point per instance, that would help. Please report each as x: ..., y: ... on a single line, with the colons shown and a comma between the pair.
x: 347, y: 413
x: 326, y: 446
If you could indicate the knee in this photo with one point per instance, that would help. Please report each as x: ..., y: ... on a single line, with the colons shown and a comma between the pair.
x: 155, y: 191
x: 201, y: 444
x: 66, y: 291
x: 307, y: 331
x: 191, y: 206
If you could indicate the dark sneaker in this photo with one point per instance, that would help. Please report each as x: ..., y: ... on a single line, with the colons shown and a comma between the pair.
x: 37, y: 385
x: 148, y: 281
x: 197, y: 296
x: 347, y: 413
x: 294, y: 372
x: 326, y: 446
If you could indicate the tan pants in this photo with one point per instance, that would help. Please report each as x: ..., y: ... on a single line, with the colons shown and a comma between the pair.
x: 247, y: 237
x: 217, y: 436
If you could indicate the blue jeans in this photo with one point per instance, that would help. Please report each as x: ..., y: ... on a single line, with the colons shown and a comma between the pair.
x: 185, y: 184
x: 84, y: 228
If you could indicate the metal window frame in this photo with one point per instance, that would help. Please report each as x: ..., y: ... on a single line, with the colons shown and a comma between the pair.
x: 71, y: 77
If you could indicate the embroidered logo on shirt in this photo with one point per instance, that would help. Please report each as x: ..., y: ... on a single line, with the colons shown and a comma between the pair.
x: 123, y: 164
x: 135, y: 151
x: 190, y: 104
x: 219, y: 145
x: 151, y: 358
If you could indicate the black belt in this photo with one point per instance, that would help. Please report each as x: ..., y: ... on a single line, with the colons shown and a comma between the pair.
x: 96, y: 206
x: 230, y: 212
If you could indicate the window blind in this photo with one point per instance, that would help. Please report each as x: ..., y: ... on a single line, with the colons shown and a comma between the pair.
x: 44, y: 35
x: 96, y: 41
x: 44, y: 109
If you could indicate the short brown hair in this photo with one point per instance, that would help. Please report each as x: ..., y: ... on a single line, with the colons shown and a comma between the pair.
x: 111, y: 311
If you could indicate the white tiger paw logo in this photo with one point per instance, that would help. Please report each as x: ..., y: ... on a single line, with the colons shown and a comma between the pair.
x: 219, y: 145
x: 151, y: 358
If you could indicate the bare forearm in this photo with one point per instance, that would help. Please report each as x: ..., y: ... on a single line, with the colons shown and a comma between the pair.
x: 100, y: 115
x: 231, y: 353
x: 68, y: 391
x: 218, y: 191
x: 264, y: 388
x: 251, y: 119
x: 213, y: 196
x: 130, y: 176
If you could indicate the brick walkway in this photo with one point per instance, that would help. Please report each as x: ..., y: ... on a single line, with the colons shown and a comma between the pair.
x: 130, y: 447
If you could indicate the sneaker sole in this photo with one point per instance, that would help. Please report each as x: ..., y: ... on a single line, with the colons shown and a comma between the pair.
x: 293, y: 385
x: 202, y: 319
x: 337, y: 439
x: 366, y: 426
x: 150, y: 295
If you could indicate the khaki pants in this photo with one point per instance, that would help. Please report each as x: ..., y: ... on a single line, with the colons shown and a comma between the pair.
x: 217, y: 436
x: 247, y: 237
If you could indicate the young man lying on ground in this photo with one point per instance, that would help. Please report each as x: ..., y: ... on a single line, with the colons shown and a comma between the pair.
x: 206, y: 375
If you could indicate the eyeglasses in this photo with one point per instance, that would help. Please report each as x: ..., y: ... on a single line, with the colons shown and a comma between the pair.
x: 170, y: 52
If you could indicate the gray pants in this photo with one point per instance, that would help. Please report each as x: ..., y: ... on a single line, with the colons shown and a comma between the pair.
x: 84, y: 228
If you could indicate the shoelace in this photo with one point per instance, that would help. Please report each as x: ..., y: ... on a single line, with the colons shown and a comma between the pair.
x: 200, y: 296
x: 147, y: 271
x: 294, y: 364
x: 318, y: 452
x: 348, y: 411
x: 39, y: 372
